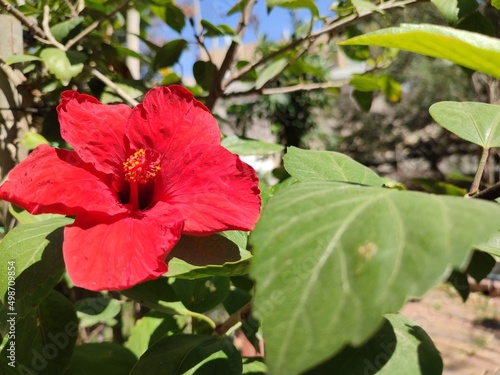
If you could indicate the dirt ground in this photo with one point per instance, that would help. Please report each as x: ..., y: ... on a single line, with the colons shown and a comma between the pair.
x: 467, y: 334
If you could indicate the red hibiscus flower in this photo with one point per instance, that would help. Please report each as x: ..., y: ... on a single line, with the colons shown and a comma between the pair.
x: 136, y: 180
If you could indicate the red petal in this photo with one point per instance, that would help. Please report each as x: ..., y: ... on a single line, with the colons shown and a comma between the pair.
x: 212, y: 188
x: 57, y: 181
x: 114, y: 255
x: 170, y: 119
x: 94, y: 130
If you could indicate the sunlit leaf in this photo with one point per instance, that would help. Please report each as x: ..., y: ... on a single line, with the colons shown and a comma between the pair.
x: 14, y: 59
x: 472, y: 50
x: 366, y: 6
x: 353, y: 253
x: 92, y: 311
x: 454, y: 10
x: 478, y: 123
x: 247, y: 147
x: 33, y: 140
x: 64, y: 65
x: 308, y: 165
x: 294, y: 4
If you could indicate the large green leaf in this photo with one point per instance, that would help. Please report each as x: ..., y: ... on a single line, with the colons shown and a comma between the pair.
x: 330, y: 259
x: 308, y: 165
x: 105, y: 358
x: 169, y: 54
x: 478, y: 123
x: 215, y: 255
x: 64, y: 65
x: 36, y: 250
x: 204, y: 72
x: 399, y: 344
x: 187, y: 354
x: 245, y: 147
x: 294, y: 4
x: 472, y: 50
x: 45, y: 337
x: 492, y: 245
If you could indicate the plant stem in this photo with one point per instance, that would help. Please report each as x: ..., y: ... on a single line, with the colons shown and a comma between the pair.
x: 474, y: 188
x: 234, y: 319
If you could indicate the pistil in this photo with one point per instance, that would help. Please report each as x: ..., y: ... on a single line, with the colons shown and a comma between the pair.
x: 140, y: 168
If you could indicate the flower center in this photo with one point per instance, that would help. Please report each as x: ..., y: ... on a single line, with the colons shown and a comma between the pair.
x: 142, y: 166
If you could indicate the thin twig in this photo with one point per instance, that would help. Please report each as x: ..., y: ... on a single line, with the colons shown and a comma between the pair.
x: 94, y: 25
x: 30, y: 24
x: 46, y: 29
x: 122, y: 94
x: 235, y: 318
x: 489, y: 194
x: 335, y: 26
x: 216, y: 90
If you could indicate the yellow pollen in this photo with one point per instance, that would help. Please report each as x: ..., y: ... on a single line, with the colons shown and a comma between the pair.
x: 142, y: 166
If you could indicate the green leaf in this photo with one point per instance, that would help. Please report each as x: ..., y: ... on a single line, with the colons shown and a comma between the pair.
x: 64, y: 65
x: 62, y: 30
x: 45, y: 337
x: 269, y: 72
x: 149, y: 329
x: 201, y: 295
x: 308, y: 165
x: 180, y: 353
x: 390, y: 87
x: 365, y: 83
x: 169, y: 54
x: 454, y: 10
x: 398, y: 344
x: 246, y: 147
x: 204, y: 72
x: 478, y: 123
x: 174, y: 17
x: 92, y: 311
x: 492, y: 246
x: 14, y: 59
x: 294, y: 4
x: 472, y: 50
x: 24, y: 217
x: 239, y: 7
x: 153, y: 294
x: 496, y: 3
x: 215, y: 255
x: 358, y: 53
x: 33, y: 140
x: 216, y: 30
x: 36, y: 250
x: 480, y: 265
x: 365, y: 6
x: 105, y: 358
x: 354, y: 253
x: 254, y: 366
x: 364, y: 99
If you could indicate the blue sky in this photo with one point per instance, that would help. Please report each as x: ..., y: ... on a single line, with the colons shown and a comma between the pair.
x: 274, y: 25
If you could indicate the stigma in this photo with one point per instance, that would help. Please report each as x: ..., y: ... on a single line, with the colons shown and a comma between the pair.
x: 142, y: 166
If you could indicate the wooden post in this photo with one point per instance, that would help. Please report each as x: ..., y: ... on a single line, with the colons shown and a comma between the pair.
x: 14, y: 122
